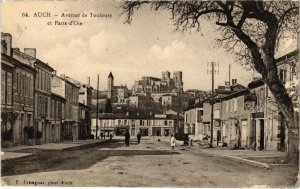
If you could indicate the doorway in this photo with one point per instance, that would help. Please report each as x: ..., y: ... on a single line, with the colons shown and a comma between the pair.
x: 262, y: 135
x: 218, y: 137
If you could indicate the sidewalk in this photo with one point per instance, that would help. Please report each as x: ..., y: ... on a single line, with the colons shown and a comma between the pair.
x: 263, y: 159
x: 256, y: 158
x: 12, y: 153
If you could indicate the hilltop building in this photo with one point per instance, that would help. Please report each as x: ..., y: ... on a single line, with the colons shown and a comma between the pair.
x: 163, y: 84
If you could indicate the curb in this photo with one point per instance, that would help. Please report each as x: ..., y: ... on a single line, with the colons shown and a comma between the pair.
x: 89, y: 145
x: 247, y: 161
x: 240, y: 160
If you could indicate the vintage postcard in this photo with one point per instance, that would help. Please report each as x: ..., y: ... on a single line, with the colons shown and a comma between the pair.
x: 201, y: 94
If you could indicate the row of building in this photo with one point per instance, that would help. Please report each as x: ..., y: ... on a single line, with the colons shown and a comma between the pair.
x: 32, y: 95
x: 247, y: 117
x: 146, y: 125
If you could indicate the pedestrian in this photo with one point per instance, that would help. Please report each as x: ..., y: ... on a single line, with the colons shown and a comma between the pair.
x: 139, y: 137
x: 110, y: 136
x: 173, y: 141
x: 190, y: 141
x: 101, y: 135
x: 127, y: 138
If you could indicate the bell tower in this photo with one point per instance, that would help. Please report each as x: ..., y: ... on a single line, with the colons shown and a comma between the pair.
x: 110, y: 86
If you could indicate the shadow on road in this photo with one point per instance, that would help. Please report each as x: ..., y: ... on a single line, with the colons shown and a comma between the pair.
x: 75, y: 159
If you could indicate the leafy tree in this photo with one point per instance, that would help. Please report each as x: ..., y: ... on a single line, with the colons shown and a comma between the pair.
x: 8, y: 117
x: 252, y: 30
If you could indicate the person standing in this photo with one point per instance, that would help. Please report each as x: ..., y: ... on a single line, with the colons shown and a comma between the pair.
x: 173, y: 141
x: 139, y: 137
x: 127, y: 138
x: 101, y: 135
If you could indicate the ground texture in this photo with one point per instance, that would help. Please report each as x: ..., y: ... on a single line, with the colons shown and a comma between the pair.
x: 149, y: 164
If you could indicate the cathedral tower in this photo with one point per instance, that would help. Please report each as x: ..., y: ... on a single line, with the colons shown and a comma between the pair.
x: 110, y: 86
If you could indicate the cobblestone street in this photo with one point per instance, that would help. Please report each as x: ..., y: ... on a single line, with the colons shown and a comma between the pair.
x: 149, y: 164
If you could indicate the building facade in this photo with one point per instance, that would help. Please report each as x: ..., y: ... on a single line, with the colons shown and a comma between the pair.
x: 163, y: 84
x: 85, y: 108
x: 70, y: 130
x: 17, y: 89
x: 154, y: 125
x: 43, y: 100
x: 58, y: 105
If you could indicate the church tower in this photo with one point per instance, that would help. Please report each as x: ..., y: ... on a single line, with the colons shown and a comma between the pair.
x: 110, y: 86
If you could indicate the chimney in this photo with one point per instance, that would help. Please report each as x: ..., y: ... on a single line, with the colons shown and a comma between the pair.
x: 8, y: 42
x: 16, y: 49
x: 63, y: 76
x: 30, y: 51
x: 227, y: 85
x: 88, y: 81
x: 234, y: 81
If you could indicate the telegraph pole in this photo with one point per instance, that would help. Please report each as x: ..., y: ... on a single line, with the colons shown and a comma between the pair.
x: 213, y: 71
x: 212, y: 105
x: 229, y: 72
x: 97, y: 113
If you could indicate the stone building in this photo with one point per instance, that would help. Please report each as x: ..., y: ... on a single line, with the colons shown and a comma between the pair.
x: 152, y: 125
x: 58, y: 104
x: 163, y: 84
x: 193, y: 119
x: 85, y: 110
x: 70, y: 130
x: 25, y: 91
x: 43, y: 99
x: 17, y: 92
x: 117, y: 94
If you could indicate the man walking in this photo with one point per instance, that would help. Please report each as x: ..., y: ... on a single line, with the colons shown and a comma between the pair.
x: 127, y: 138
x: 139, y: 137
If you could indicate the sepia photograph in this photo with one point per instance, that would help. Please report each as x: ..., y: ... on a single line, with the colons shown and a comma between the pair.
x: 164, y: 94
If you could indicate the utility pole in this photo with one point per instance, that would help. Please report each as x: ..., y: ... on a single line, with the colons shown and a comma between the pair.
x: 97, y: 113
x: 229, y: 73
x: 213, y: 71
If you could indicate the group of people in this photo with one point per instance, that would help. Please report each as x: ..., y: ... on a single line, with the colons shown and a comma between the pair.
x: 102, y: 135
x: 127, y: 138
x: 139, y: 136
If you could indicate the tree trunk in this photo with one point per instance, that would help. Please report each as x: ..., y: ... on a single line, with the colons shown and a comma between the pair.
x: 285, y: 105
x: 293, y: 148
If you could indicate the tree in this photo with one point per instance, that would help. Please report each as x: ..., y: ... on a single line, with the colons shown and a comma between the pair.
x: 108, y: 107
x: 8, y: 116
x: 252, y: 30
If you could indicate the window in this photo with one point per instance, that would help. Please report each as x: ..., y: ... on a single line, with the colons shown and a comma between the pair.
x: 227, y: 106
x: 166, y: 122
x: 17, y: 83
x: 31, y: 90
x: 3, y: 89
x: 42, y: 80
x: 9, y: 88
x: 235, y: 104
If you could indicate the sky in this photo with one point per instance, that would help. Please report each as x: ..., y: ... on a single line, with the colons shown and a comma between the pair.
x: 146, y: 47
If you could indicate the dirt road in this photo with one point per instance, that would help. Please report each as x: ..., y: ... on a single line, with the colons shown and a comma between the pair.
x: 149, y: 164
